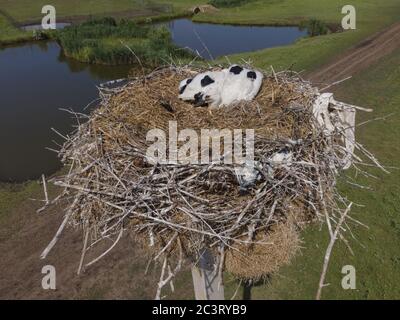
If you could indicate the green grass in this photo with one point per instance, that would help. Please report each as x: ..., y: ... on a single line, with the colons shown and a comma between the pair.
x: 11, y: 195
x: 306, y: 54
x: 294, y: 11
x: 376, y: 250
x: 28, y: 10
x: 182, y: 5
x: 9, y: 34
x: 228, y: 3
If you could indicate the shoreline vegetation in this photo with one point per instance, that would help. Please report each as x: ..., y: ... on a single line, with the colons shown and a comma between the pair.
x: 13, y: 16
x: 106, y: 41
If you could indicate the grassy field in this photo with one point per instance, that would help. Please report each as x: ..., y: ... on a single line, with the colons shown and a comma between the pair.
x: 10, y: 34
x: 11, y: 195
x: 289, y: 12
x: 28, y: 10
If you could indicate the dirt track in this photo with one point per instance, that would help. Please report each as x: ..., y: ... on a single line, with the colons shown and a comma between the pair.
x: 359, y: 57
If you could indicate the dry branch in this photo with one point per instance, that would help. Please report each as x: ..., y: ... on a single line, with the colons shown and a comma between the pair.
x: 329, y: 249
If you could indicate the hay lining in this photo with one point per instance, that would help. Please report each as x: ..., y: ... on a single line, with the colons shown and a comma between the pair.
x: 266, y: 255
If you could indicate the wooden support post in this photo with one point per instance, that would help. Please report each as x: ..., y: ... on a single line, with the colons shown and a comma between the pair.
x: 207, y: 281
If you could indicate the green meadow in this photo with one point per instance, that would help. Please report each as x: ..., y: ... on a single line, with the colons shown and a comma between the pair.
x: 31, y: 10
x: 10, y: 34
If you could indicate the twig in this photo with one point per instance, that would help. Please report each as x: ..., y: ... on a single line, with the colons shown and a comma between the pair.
x: 47, y: 202
x: 55, y: 239
x: 329, y: 252
x: 107, y: 251
x: 83, y: 251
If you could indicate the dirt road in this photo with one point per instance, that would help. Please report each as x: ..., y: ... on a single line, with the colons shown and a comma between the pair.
x: 359, y: 57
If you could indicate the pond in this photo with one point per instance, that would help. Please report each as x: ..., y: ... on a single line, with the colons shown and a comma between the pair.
x: 36, y: 80
x: 212, y: 40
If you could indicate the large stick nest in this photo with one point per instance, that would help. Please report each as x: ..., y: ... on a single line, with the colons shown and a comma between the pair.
x: 179, y: 209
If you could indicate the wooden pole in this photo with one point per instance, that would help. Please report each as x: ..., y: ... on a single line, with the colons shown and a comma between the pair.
x: 207, y: 280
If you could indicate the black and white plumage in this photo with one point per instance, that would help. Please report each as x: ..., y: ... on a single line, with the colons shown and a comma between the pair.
x: 221, y: 88
x: 203, y: 89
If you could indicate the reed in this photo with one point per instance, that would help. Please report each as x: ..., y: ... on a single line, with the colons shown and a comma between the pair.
x: 105, y: 41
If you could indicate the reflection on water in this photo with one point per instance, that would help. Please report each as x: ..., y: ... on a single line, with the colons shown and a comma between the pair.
x: 212, y: 40
x: 35, y: 81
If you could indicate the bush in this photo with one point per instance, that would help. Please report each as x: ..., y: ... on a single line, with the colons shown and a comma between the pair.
x: 315, y: 27
x: 99, y: 41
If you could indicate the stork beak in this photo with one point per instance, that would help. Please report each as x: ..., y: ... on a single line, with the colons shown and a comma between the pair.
x: 199, y: 100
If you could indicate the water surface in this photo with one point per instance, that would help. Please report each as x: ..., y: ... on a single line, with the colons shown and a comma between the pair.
x: 35, y: 81
x: 214, y: 40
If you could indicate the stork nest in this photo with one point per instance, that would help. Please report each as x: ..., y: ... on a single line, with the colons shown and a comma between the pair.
x: 179, y: 209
